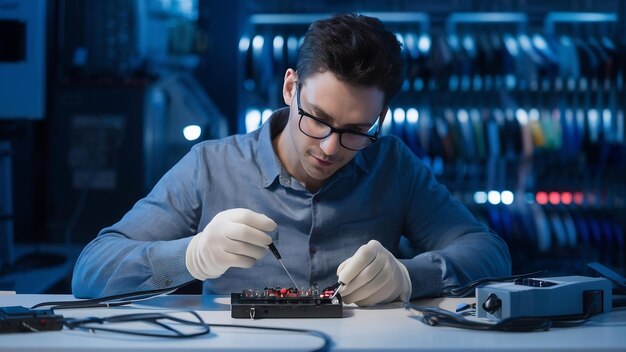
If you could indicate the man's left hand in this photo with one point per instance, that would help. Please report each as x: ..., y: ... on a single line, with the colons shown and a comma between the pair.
x: 373, y: 275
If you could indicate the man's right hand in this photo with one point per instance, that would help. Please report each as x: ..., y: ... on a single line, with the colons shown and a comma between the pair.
x: 234, y: 238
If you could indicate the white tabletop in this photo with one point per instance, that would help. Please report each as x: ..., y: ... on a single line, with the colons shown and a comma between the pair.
x: 388, y: 327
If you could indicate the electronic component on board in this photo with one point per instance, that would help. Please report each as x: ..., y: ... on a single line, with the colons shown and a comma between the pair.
x: 283, y: 302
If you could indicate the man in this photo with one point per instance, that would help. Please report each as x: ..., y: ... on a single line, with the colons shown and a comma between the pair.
x: 315, y: 181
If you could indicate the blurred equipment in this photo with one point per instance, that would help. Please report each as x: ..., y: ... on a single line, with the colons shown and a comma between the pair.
x: 126, y: 109
x: 22, y: 59
x: 6, y: 205
x: 117, y: 142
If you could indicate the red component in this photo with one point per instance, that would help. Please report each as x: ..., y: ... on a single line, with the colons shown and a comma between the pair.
x: 327, y: 294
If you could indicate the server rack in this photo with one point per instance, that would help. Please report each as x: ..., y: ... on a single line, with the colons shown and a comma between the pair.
x: 531, y: 142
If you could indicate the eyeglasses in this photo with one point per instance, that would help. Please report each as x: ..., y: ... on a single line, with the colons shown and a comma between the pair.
x: 317, y: 128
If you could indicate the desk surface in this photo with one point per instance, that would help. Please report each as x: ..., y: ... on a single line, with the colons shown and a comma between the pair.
x: 388, y: 327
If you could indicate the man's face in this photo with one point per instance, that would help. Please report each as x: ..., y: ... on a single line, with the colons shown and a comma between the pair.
x: 341, y: 105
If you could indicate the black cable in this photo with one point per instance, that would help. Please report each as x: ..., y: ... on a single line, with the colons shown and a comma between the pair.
x: 150, y: 318
x: 77, y: 305
x: 94, y: 324
x: 128, y: 298
x: 436, y: 316
x: 463, y: 291
x: 111, y: 301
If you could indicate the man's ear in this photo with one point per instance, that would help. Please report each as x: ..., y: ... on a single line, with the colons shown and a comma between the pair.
x: 289, y: 85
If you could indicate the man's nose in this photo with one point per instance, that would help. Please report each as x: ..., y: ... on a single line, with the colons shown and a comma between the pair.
x: 330, y: 145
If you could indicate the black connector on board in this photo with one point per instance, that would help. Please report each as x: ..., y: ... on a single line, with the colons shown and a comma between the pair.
x: 22, y: 319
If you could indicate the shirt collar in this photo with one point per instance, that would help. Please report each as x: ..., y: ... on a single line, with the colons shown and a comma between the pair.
x: 268, y: 161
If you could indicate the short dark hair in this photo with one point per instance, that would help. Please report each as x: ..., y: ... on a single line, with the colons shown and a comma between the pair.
x: 358, y: 49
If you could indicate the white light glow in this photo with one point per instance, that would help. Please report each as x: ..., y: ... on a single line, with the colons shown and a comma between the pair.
x: 480, y: 197
x: 606, y: 117
x: 539, y: 42
x: 507, y: 197
x: 412, y: 115
x: 522, y: 116
x: 253, y: 120
x: 424, y: 43
x: 257, y: 42
x: 409, y: 40
x: 292, y: 43
x: 468, y: 43
x: 266, y: 115
x: 278, y: 42
x: 493, y: 197
x: 398, y: 116
x: 400, y: 39
x: 511, y: 45
x: 244, y: 43
x: 463, y: 116
x: 593, y: 117
x: 533, y: 114
x: 192, y: 132
x: 524, y: 42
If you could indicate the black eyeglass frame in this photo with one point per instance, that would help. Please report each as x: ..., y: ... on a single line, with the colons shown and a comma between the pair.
x: 333, y: 129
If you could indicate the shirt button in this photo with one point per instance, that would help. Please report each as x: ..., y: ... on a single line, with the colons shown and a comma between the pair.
x: 312, y: 251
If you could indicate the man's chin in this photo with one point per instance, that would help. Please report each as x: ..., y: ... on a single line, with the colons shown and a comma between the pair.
x: 320, y: 174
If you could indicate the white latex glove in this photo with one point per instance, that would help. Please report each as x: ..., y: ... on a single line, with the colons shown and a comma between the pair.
x: 373, y: 275
x: 233, y: 238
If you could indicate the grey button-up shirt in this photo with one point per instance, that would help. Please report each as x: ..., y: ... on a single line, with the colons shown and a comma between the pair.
x: 383, y: 193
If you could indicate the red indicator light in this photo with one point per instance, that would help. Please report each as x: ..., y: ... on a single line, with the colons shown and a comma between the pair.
x: 579, y: 198
x: 542, y: 198
x: 566, y: 198
x: 555, y: 198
